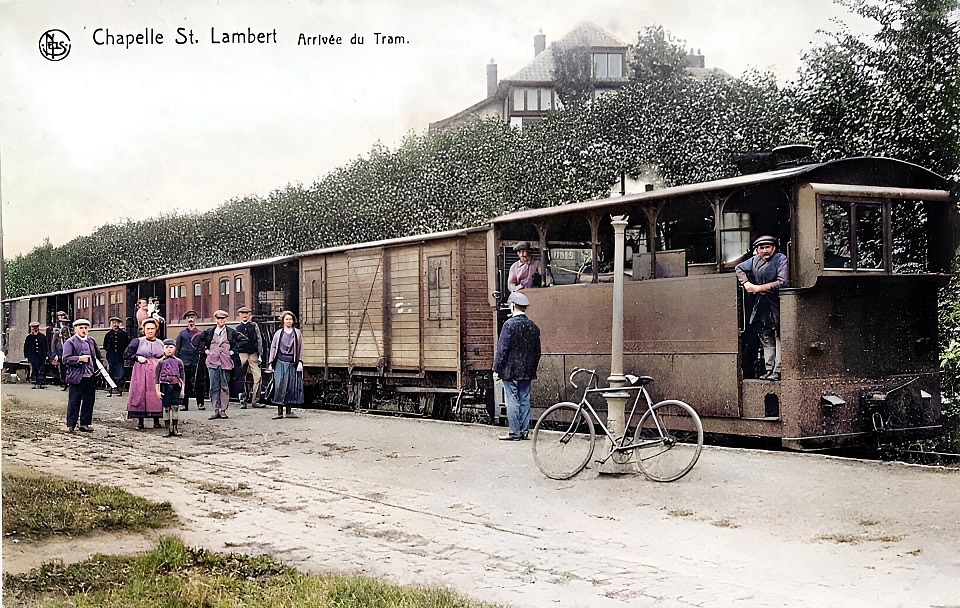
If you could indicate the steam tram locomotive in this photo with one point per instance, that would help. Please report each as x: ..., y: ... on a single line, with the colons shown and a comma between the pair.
x: 869, y: 240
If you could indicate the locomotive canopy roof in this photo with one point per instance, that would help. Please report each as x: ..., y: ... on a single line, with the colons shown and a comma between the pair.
x: 881, y: 172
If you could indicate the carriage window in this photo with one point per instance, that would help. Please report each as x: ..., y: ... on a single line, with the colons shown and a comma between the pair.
x: 439, y: 291
x: 224, y: 287
x: 239, y: 286
x: 197, y: 290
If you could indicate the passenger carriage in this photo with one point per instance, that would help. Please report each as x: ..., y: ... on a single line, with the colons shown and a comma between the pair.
x: 869, y: 242
x: 96, y: 304
x: 268, y: 286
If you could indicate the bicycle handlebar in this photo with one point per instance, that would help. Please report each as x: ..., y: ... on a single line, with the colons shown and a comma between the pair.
x: 630, y: 377
x: 576, y: 371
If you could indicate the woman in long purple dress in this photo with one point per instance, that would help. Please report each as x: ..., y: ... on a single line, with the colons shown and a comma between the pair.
x: 144, y: 354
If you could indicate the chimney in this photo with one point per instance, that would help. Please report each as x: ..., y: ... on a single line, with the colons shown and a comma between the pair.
x: 695, y: 59
x: 539, y: 43
x: 491, y: 78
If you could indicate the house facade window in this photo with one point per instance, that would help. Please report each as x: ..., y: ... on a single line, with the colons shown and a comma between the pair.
x: 534, y: 99
x: 607, y: 65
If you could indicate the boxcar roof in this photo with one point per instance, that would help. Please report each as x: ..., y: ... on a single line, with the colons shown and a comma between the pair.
x: 237, y: 266
x: 721, y: 184
x: 397, y: 241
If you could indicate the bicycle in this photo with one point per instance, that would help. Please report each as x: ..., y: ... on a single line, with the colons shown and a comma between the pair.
x: 667, y: 440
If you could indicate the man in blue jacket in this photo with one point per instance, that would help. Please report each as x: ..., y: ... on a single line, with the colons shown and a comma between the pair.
x: 518, y: 354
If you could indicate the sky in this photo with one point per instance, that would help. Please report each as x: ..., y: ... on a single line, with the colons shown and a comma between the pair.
x: 112, y: 132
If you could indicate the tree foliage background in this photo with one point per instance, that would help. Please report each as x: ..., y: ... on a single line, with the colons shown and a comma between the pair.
x: 896, y: 93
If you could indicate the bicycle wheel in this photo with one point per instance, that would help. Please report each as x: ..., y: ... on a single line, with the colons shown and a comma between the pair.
x: 563, y: 440
x: 671, y: 437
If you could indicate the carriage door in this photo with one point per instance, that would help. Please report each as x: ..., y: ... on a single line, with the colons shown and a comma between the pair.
x: 365, y: 276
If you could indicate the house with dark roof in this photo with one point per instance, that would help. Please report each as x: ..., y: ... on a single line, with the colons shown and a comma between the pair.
x: 529, y: 94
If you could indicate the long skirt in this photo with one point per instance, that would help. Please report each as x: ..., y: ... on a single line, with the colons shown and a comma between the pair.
x: 287, y: 384
x: 144, y: 401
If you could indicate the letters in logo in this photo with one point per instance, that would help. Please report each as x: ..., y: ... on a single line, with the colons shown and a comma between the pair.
x: 54, y: 45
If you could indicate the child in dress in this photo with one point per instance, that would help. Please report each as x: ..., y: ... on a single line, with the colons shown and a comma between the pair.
x: 170, y: 386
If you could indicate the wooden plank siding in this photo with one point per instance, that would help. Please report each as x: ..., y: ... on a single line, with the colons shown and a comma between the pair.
x: 476, y: 327
x: 404, y: 308
x: 365, y: 281
x: 313, y: 310
x: 441, y: 336
x: 338, y: 311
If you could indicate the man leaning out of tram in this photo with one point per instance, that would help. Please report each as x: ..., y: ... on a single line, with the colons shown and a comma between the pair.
x: 761, y: 277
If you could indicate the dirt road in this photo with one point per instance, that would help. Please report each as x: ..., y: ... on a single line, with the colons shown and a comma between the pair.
x: 443, y: 503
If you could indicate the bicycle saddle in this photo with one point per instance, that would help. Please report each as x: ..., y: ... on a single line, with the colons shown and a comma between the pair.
x: 641, y: 380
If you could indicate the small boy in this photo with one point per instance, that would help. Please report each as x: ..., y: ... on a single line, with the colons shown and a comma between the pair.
x: 170, y: 386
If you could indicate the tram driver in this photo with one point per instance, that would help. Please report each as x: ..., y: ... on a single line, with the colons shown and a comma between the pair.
x: 527, y: 272
x: 761, y: 277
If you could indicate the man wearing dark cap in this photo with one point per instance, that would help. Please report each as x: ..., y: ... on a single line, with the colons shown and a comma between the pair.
x: 190, y: 355
x: 219, y: 343
x: 526, y: 272
x: 250, y: 353
x: 115, y: 342
x: 59, y: 335
x: 516, y: 360
x: 761, y: 277
x: 36, y: 351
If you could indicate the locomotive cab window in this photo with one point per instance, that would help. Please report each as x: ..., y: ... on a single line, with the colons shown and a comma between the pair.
x: 880, y: 235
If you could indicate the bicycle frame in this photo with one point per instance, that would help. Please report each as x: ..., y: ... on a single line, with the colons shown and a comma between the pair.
x: 615, y: 443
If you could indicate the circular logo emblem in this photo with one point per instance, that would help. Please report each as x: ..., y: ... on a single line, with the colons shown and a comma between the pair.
x: 54, y: 45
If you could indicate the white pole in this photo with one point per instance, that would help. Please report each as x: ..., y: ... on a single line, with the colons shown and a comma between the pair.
x: 617, y: 400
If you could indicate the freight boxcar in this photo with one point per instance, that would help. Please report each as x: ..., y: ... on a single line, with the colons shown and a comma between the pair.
x: 401, y: 318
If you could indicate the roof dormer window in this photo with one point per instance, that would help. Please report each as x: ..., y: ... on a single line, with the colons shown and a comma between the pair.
x: 607, y: 66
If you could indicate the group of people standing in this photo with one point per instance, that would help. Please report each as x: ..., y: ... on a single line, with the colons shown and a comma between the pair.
x: 165, y: 374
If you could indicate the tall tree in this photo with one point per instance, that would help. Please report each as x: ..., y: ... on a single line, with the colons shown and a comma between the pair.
x: 657, y: 56
x: 895, y: 93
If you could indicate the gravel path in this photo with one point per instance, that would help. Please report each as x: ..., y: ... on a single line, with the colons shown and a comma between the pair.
x: 425, y: 502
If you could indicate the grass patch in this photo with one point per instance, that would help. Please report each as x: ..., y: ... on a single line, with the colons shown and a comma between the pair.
x: 175, y: 575
x: 856, y: 539
x: 725, y: 523
x: 225, y: 489
x: 37, y: 506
